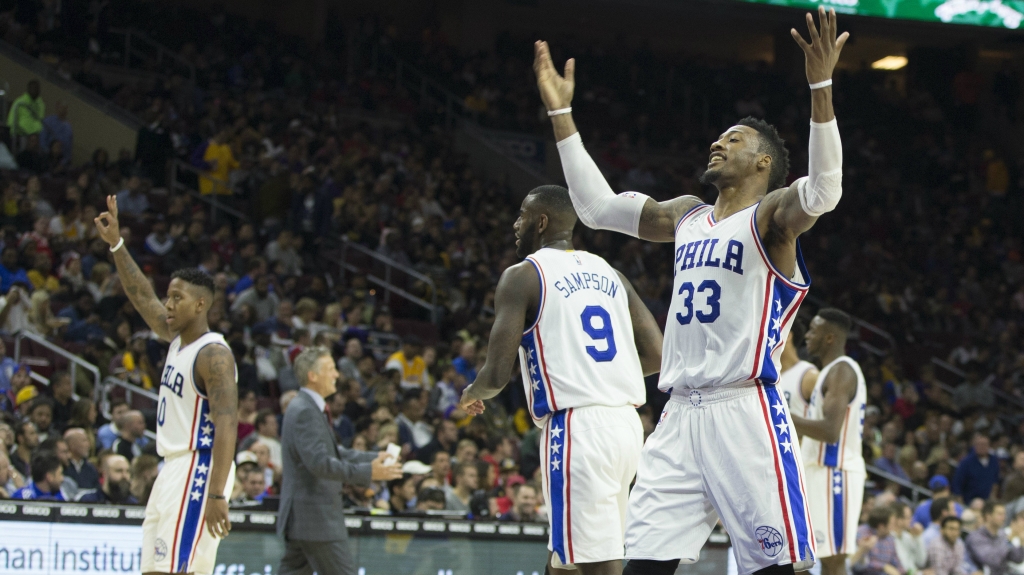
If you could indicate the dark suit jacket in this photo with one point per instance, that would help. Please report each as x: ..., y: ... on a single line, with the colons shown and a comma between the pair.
x: 315, y: 468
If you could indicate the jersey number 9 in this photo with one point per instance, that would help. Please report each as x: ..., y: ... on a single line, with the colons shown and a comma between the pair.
x: 604, y: 332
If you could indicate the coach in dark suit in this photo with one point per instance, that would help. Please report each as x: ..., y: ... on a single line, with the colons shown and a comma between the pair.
x: 311, y: 517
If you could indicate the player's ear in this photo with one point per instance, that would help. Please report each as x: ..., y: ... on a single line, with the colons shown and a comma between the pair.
x: 764, y: 162
x: 542, y: 223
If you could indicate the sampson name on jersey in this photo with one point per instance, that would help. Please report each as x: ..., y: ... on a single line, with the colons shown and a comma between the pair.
x: 581, y: 281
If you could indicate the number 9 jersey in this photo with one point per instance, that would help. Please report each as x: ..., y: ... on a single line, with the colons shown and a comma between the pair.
x: 731, y: 309
x: 579, y: 351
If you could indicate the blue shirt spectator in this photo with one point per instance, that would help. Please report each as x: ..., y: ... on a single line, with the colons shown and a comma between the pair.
x: 977, y: 473
x: 888, y: 461
x: 9, y: 270
x: 47, y: 477
x: 132, y: 200
x: 56, y: 127
x: 940, y: 488
x: 465, y: 364
x: 32, y: 493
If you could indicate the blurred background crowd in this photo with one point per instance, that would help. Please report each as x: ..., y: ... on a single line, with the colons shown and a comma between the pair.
x: 314, y: 153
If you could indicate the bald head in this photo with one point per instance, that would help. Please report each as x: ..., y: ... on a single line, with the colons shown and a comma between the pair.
x: 132, y: 424
x: 78, y: 443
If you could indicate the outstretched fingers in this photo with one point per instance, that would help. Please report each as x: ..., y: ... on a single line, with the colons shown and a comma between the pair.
x: 812, y: 29
x: 570, y: 70
x: 842, y: 40
x: 799, y: 40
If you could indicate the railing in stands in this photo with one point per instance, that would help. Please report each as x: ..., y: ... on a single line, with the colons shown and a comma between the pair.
x: 916, y: 491
x: 74, y: 362
x: 961, y: 376
x: 130, y: 391
x: 389, y: 287
x: 216, y: 204
x: 138, y: 47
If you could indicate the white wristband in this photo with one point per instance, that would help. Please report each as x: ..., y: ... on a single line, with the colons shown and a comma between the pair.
x: 559, y: 111
x: 816, y: 85
x: 120, y: 243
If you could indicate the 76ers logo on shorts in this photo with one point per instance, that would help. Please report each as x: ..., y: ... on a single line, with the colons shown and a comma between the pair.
x: 161, y: 549
x: 770, y: 540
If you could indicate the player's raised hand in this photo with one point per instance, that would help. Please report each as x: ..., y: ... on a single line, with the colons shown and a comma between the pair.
x: 822, y: 53
x: 555, y: 90
x: 106, y: 223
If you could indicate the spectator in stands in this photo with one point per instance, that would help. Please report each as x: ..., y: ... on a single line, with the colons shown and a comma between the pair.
x: 430, y: 499
x: 255, y: 267
x: 940, y: 508
x: 47, y: 477
x: 973, y: 393
x: 263, y: 302
x: 7, y: 367
x: 441, y: 467
x: 939, y: 486
x: 40, y: 412
x: 78, y: 468
x: 59, y: 447
x: 10, y: 479
x: 159, y: 242
x: 410, y: 364
x: 267, y: 432
x: 144, y: 471
x: 403, y: 493
x: 27, y: 112
x: 414, y: 431
x: 132, y: 428
x: 82, y: 307
x: 10, y: 271
x: 446, y: 436
x: 348, y: 365
x: 977, y: 475
x: 221, y: 161
x: 909, y: 544
x: 63, y: 402
x: 989, y: 548
x: 524, y: 505
x: 246, y: 412
x: 117, y: 485
x: 342, y: 423
x: 26, y: 440
x: 946, y: 554
x: 1015, y: 476
x: 132, y: 200
x: 465, y: 364
x: 272, y: 474
x: 108, y: 432
x: 466, y: 451
x: 876, y: 545
x: 467, y: 481
x: 32, y: 158
x: 57, y: 128
x: 254, y: 487
x: 41, y: 319
x: 283, y: 254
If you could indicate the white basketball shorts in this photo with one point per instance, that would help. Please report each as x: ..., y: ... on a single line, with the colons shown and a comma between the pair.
x: 722, y: 453
x: 174, y: 535
x: 835, y: 497
x: 590, y: 456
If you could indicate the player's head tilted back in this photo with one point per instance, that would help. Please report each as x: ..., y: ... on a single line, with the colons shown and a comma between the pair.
x: 750, y: 149
x: 828, y: 332
x: 189, y: 296
x: 546, y: 216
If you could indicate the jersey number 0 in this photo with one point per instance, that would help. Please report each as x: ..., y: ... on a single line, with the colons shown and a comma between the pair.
x: 604, y: 332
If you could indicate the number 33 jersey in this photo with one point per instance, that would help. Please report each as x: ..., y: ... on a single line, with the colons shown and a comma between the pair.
x: 579, y: 351
x: 731, y: 309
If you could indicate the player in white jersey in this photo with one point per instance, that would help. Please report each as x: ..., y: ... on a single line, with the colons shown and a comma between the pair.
x: 798, y: 376
x: 197, y: 416
x: 725, y: 447
x: 831, y: 435
x: 585, y: 342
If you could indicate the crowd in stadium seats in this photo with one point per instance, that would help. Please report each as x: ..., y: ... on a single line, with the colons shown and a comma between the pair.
x: 925, y: 244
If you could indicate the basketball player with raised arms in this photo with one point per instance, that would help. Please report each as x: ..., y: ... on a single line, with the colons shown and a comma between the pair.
x: 831, y: 434
x: 796, y: 382
x: 585, y: 341
x: 725, y: 447
x: 197, y: 416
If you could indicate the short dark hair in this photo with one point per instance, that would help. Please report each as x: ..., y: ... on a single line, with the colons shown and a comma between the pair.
x: 414, y: 394
x: 40, y: 402
x: 950, y: 519
x: 939, y: 505
x: 43, y: 463
x: 461, y: 467
x: 772, y: 144
x: 879, y: 517
x: 554, y: 199
x: 115, y: 403
x: 430, y: 494
x: 989, y: 508
x: 836, y: 317
x: 262, y: 415
x: 19, y: 428
x: 50, y: 444
x: 196, y: 277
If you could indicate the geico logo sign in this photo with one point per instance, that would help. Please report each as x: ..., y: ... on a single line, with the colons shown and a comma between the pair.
x: 37, y: 511
x: 134, y: 513
x: 353, y: 523
x: 382, y: 525
x: 106, y: 513
x: 74, y: 511
x: 8, y: 508
x: 262, y: 518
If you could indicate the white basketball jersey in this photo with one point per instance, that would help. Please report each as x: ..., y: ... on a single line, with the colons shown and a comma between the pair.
x: 580, y: 349
x: 183, y: 414
x: 731, y: 310
x: 847, y: 452
x: 791, y: 383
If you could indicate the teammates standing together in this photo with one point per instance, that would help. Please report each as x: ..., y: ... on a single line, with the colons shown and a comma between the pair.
x: 726, y: 447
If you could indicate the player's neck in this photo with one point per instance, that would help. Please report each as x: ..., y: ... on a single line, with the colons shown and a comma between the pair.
x: 194, y: 331
x: 832, y: 355
x: 562, y: 241
x: 789, y: 358
x: 736, y: 198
